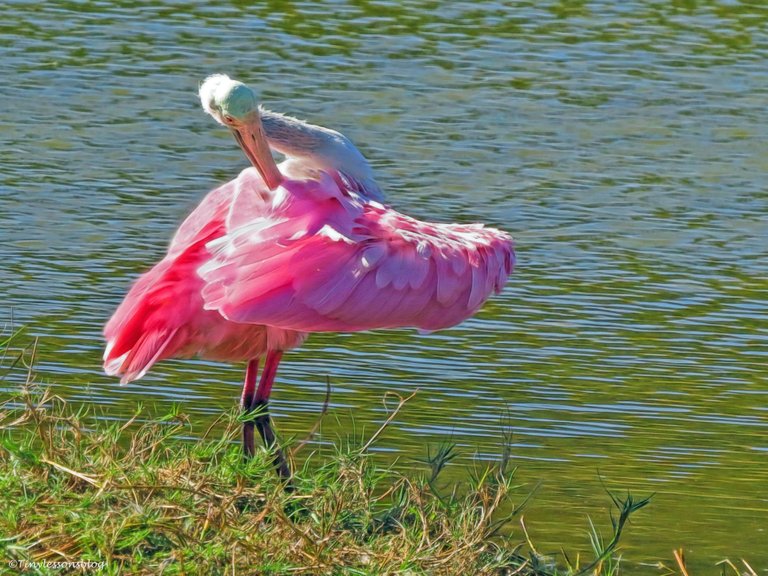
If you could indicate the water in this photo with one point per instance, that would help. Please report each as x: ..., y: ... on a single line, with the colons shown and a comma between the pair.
x: 622, y: 144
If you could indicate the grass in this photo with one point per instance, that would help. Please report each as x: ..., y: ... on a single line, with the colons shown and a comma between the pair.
x: 141, y: 498
x: 144, y: 499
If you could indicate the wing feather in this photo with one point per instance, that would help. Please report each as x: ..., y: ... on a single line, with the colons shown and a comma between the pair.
x: 323, y: 260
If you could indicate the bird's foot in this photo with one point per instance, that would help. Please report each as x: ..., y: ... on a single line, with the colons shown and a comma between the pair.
x: 258, y: 416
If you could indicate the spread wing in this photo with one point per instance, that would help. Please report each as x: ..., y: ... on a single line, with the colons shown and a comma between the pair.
x: 323, y: 259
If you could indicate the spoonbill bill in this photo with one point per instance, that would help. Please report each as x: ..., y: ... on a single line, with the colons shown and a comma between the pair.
x: 285, y: 250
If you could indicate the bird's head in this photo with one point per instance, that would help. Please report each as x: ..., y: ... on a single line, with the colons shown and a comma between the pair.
x: 227, y: 100
x: 234, y: 105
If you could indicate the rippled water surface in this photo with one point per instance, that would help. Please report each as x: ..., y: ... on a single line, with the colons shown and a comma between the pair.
x: 623, y: 144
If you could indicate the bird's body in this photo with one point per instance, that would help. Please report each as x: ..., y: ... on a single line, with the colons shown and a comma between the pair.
x: 283, y: 251
x: 253, y: 270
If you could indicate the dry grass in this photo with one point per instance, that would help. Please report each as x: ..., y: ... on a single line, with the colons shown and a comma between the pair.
x: 146, y: 501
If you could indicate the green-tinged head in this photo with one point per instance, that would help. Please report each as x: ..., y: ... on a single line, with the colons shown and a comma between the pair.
x: 238, y: 100
x: 233, y: 104
x: 226, y: 99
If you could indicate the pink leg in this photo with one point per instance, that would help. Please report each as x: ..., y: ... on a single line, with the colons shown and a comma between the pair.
x: 268, y: 376
x: 261, y: 419
x: 246, y: 404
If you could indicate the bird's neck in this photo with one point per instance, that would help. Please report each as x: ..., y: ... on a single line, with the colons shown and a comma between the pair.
x: 318, y: 147
x: 294, y: 137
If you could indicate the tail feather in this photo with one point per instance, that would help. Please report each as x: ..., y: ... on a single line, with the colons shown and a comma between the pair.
x: 144, y: 326
x: 133, y: 364
x: 165, y: 301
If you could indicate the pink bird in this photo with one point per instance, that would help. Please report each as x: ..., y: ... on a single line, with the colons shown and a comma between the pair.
x: 283, y: 251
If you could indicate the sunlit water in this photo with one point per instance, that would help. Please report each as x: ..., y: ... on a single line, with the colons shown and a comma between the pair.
x: 623, y: 144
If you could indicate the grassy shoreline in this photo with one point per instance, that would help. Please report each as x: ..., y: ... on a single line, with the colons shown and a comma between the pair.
x: 140, y: 497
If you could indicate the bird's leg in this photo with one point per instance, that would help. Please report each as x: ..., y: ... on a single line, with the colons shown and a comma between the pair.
x: 262, y: 419
x: 246, y: 405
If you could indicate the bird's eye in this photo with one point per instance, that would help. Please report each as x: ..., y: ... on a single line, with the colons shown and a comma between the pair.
x: 228, y: 119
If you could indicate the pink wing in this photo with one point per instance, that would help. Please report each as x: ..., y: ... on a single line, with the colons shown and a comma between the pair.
x: 321, y: 259
x: 150, y: 322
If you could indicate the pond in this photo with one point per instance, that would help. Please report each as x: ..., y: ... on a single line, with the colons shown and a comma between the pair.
x: 624, y: 145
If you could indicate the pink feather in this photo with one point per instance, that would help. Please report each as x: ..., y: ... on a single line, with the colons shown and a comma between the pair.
x: 252, y: 270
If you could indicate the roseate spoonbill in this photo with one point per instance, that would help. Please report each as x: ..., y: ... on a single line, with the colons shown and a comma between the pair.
x: 283, y: 251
